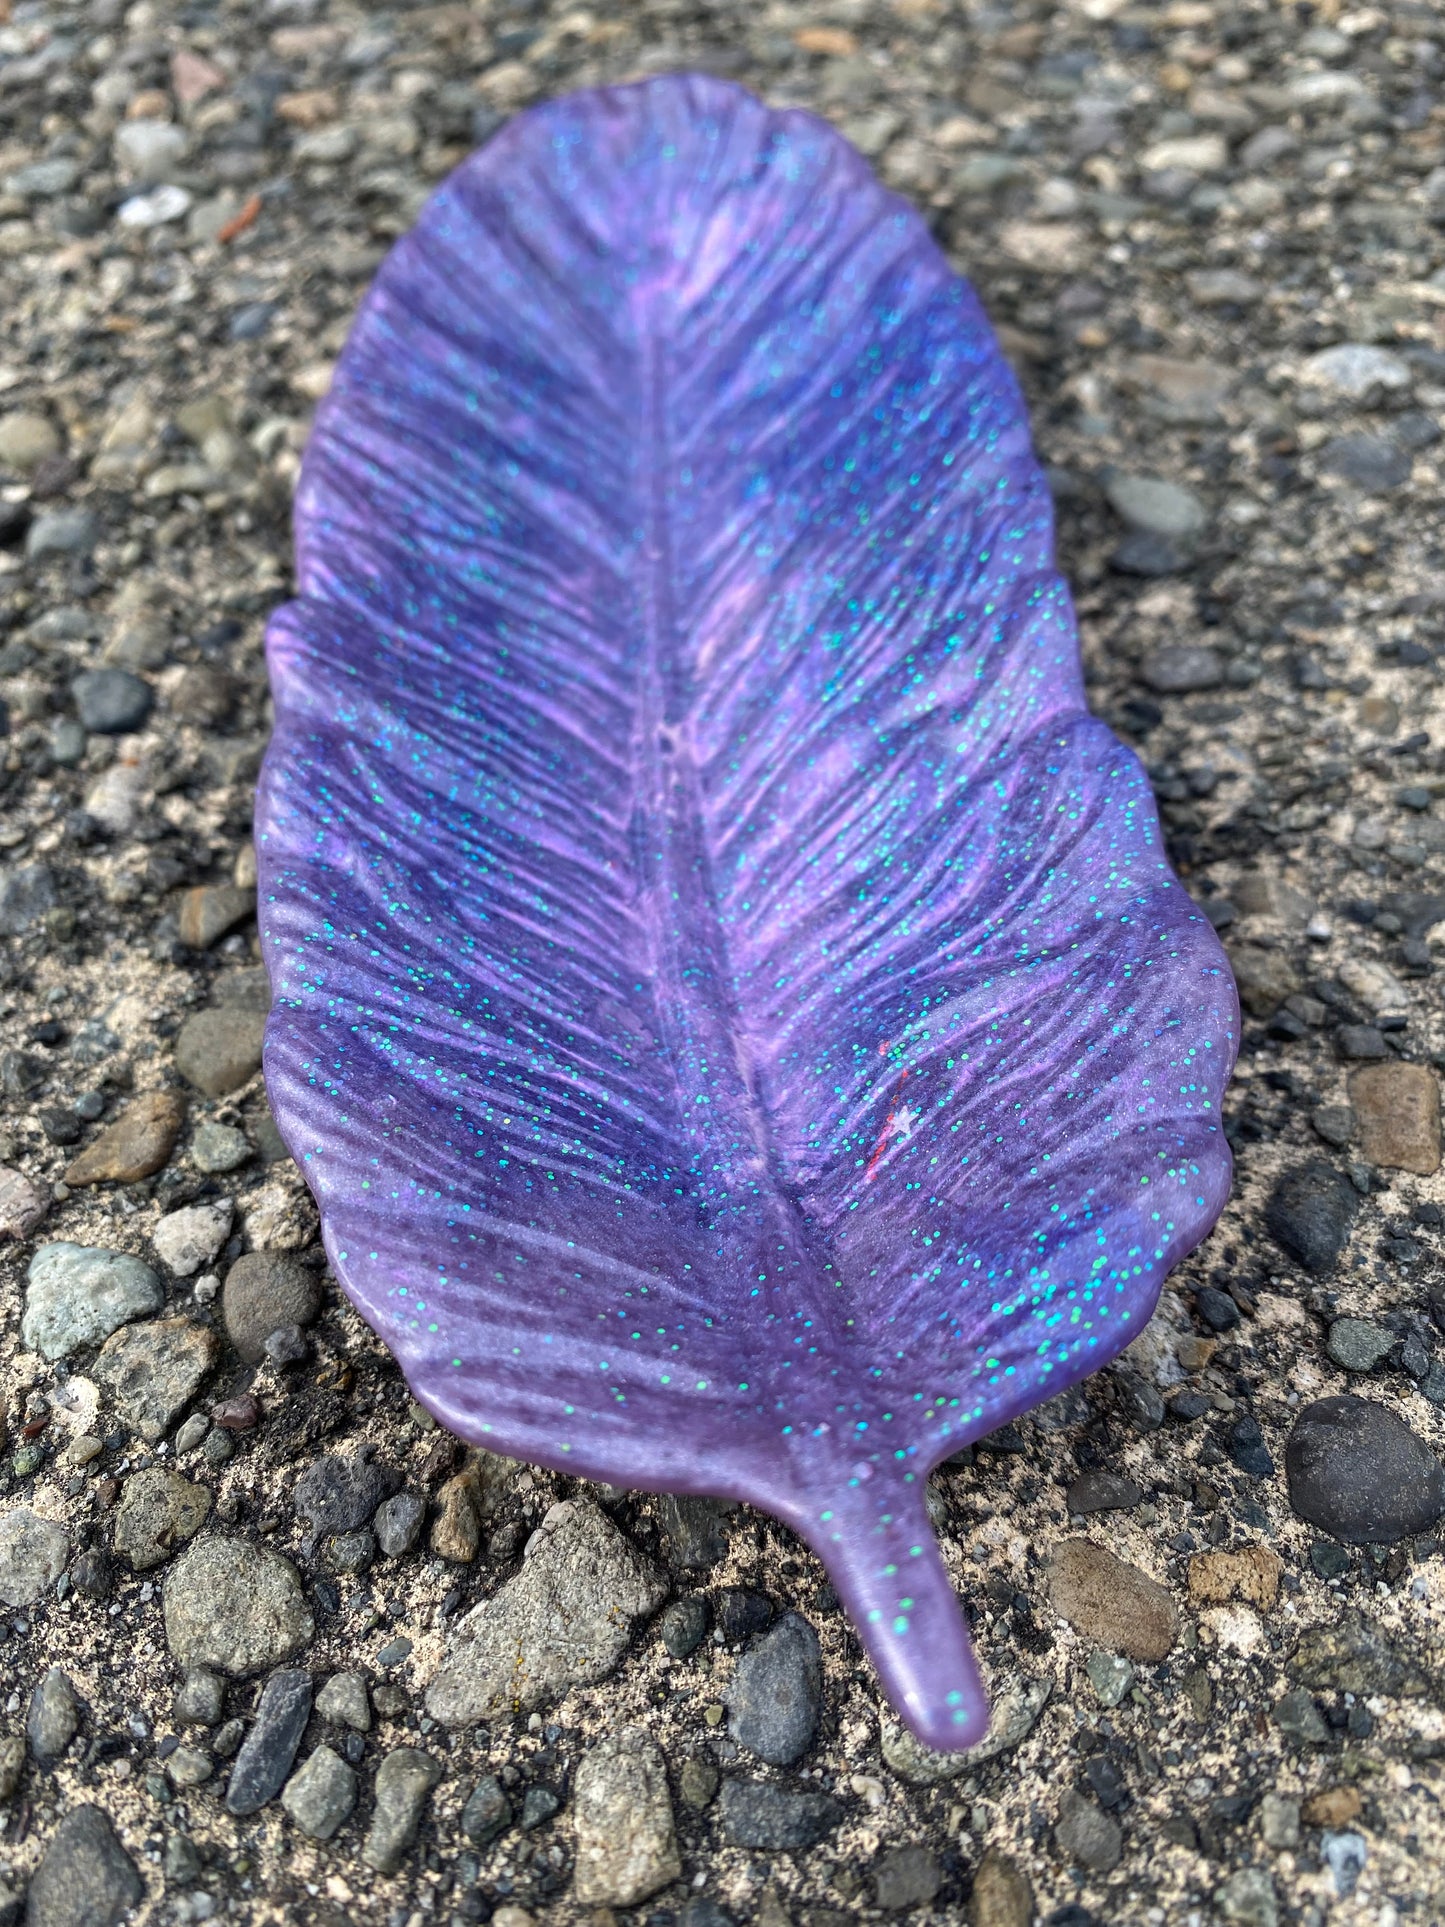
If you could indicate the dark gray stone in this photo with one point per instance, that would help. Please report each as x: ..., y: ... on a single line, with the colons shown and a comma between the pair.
x: 770, y: 1819
x: 1358, y: 1471
x: 1362, y: 1043
x: 539, y: 1803
x: 695, y: 1530
x: 25, y: 896
x: 683, y: 1625
x: 487, y: 1813
x: 776, y: 1693
x: 320, y: 1794
x: 1369, y: 461
x: 1182, y: 667
x: 398, y: 1523
x: 111, y: 702
x: 1300, y: 1720
x: 907, y: 1877
x: 1311, y: 1213
x: 1100, y: 1491
x: 739, y: 1614
x: 1088, y: 1835
x: 1247, y: 1448
x: 1356, y: 1345
x: 86, y: 1879
x: 62, y: 532
x: 270, y: 1747
x: 200, y: 1698
x: 339, y: 1493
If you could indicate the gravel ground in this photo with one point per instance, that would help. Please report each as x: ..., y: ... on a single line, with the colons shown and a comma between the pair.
x: 237, y: 1671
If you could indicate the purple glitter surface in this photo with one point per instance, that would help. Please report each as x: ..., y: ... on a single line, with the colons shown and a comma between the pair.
x: 732, y: 1005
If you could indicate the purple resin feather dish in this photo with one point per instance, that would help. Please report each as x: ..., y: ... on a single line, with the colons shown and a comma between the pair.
x: 732, y: 1005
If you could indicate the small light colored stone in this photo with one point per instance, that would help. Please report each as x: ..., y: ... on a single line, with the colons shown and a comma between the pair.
x: 80, y: 1294
x: 135, y: 1146
x: 320, y: 1794
x: 456, y: 1533
x: 342, y: 1701
x: 1048, y: 247
x: 25, y: 440
x: 188, y: 1766
x: 626, y: 1841
x: 1111, y: 1602
x: 1251, y: 1573
x: 1190, y: 153
x: 564, y: 1620
x: 187, y: 1239
x: 1002, y: 1896
x: 1375, y: 985
x: 22, y: 1207
x: 1397, y: 1110
x: 1013, y: 1710
x: 54, y: 1715
x: 158, y: 1511
x: 1354, y: 368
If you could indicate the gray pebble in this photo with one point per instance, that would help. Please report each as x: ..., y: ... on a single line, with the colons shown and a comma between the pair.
x: 1355, y: 1345
x: 342, y: 1701
x: 62, y: 532
x: 487, y: 1813
x: 683, y: 1625
x: 33, y: 1552
x: 771, y: 1819
x: 79, y: 1294
x: 200, y: 1699
x: 54, y: 1715
x: 403, y: 1781
x: 220, y: 1050
x: 216, y: 1148
x: 776, y: 1693
x: 626, y: 1840
x: 907, y: 1877
x: 398, y: 1523
x: 26, y: 894
x: 265, y: 1290
x: 1156, y: 506
x: 320, y: 1795
x: 111, y: 702
x: 1088, y: 1835
x: 235, y: 1606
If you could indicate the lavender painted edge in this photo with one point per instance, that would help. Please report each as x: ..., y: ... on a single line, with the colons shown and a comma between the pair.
x: 671, y: 537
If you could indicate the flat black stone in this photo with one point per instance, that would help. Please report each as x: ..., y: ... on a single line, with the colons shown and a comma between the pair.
x: 695, y: 1530
x: 740, y: 1614
x: 683, y: 1625
x: 1248, y: 1449
x: 1217, y: 1309
x: 1357, y: 1471
x: 1100, y: 1491
x: 269, y: 1748
x: 1311, y: 1214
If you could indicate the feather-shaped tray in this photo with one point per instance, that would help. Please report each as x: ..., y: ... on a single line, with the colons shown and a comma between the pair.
x: 732, y: 1004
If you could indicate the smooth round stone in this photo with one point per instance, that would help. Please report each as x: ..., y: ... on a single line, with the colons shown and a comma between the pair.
x: 220, y: 1050
x: 1111, y: 1602
x: 265, y: 1290
x: 236, y: 1607
x: 1357, y: 1471
x: 25, y: 440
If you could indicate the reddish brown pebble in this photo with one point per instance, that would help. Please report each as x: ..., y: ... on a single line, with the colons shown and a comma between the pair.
x: 241, y: 1414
